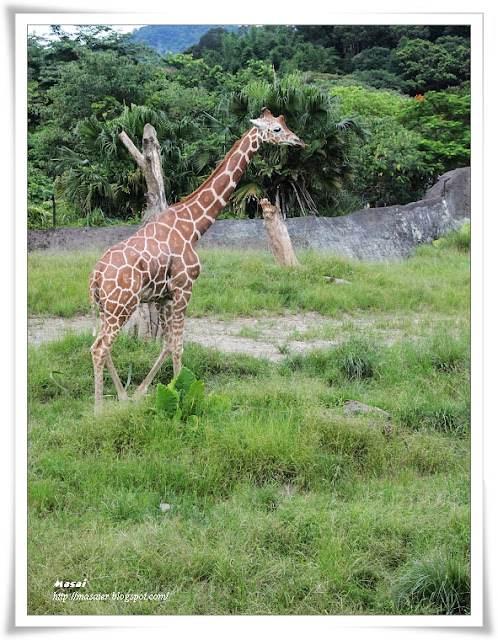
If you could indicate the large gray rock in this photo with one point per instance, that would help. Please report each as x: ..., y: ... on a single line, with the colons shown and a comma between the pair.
x: 389, y: 233
x: 381, y: 234
x: 375, y: 234
x: 454, y: 187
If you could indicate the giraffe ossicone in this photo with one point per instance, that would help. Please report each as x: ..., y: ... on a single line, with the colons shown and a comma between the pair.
x: 159, y: 263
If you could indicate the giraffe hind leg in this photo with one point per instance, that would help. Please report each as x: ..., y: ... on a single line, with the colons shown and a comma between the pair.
x: 100, y: 355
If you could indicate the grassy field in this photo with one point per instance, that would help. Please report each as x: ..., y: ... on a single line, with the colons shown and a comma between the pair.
x: 278, y: 502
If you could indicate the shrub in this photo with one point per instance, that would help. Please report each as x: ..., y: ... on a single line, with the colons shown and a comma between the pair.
x: 40, y: 189
x: 442, y: 120
x: 359, y: 101
x: 392, y: 166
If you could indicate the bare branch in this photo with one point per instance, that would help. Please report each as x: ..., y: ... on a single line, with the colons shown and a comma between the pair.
x: 123, y: 136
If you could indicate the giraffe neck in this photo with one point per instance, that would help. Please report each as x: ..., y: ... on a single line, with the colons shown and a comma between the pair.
x: 205, y: 204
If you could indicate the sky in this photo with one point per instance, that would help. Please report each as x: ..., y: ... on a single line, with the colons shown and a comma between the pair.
x: 44, y: 29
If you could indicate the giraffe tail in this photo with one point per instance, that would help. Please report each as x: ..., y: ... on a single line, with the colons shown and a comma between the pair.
x: 94, y: 298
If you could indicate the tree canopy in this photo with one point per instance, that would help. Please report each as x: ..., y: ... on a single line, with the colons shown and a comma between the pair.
x: 383, y: 110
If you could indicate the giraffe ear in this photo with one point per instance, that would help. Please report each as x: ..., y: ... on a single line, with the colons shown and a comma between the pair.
x: 259, y: 124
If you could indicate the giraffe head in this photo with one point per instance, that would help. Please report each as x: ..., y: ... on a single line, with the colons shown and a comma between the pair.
x: 275, y: 131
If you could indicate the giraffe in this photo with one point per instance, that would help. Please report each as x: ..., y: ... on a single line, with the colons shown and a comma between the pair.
x: 159, y: 262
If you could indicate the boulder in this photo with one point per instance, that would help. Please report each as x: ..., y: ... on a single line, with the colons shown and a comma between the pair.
x: 454, y: 187
x: 374, y: 234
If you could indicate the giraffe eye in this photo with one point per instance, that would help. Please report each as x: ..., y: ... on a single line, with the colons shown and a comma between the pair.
x: 277, y: 129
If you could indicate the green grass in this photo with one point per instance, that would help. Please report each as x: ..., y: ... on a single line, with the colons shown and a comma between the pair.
x: 58, y: 282
x: 235, y: 283
x: 283, y: 504
x: 436, y: 582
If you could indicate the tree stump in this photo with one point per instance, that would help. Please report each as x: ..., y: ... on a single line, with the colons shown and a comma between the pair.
x: 145, y: 320
x: 278, y: 235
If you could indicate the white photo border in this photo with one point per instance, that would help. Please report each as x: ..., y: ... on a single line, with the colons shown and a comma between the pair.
x: 300, y: 624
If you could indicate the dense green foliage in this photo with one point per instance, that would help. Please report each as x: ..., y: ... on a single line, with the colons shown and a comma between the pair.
x: 268, y: 498
x: 384, y: 110
x: 443, y: 120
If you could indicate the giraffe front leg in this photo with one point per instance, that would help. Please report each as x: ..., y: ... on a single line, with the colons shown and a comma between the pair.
x: 122, y: 395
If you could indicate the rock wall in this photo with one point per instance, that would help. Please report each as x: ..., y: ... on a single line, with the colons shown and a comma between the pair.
x: 78, y: 238
x: 375, y: 234
x: 383, y: 234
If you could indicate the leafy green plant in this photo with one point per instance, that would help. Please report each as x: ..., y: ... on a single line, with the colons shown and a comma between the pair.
x: 391, y: 167
x: 185, y: 397
x: 40, y: 189
x: 426, y: 66
x: 359, y: 101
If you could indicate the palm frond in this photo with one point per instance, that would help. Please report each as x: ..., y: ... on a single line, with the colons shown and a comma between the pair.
x: 257, y: 91
x: 352, y: 124
x: 201, y: 160
x: 89, y: 128
x: 246, y: 192
x: 221, y: 127
x: 67, y: 157
x: 243, y: 194
x: 134, y: 119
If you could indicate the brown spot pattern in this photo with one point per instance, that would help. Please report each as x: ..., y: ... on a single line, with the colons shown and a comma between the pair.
x: 159, y: 264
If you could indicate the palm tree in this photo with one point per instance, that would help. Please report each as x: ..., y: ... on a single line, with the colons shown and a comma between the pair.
x: 98, y: 172
x: 299, y: 180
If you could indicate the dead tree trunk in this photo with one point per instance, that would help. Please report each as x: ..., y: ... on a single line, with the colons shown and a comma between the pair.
x: 145, y: 320
x: 278, y: 235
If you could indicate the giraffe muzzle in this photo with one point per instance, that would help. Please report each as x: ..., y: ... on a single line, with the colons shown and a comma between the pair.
x: 297, y: 142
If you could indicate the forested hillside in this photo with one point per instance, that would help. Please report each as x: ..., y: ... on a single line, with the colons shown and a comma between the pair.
x: 172, y: 38
x: 384, y: 110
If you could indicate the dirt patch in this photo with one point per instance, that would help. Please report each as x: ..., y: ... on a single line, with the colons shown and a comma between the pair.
x: 271, y: 337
